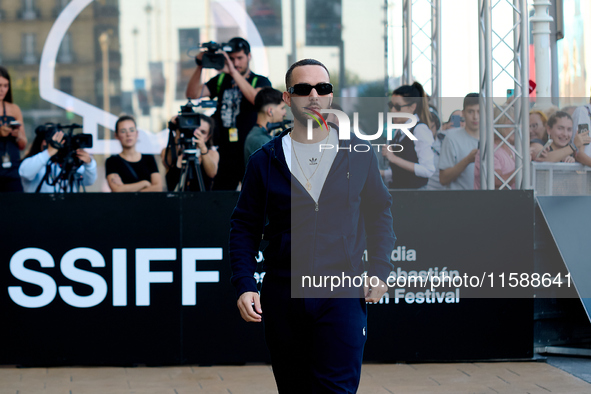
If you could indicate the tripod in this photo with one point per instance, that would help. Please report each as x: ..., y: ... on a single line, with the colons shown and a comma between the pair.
x: 190, y: 171
x: 67, y: 181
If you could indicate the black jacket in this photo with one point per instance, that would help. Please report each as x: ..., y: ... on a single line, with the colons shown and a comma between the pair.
x: 324, y: 238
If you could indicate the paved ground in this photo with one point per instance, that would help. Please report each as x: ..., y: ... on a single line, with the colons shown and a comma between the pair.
x: 517, y: 377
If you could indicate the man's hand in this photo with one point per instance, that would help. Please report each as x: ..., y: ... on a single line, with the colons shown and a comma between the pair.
x: 200, y: 56
x: 374, y: 294
x: 245, y: 305
x: 471, y: 156
x: 229, y: 66
x: 83, y: 155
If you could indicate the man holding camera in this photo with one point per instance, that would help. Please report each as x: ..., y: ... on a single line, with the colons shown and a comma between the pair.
x: 236, y: 88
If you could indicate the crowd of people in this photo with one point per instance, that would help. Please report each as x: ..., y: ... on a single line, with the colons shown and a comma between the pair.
x: 443, y: 155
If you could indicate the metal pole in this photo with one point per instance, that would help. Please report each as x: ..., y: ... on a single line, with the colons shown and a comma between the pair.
x: 135, y: 33
x: 520, y: 88
x: 386, y: 44
x: 489, y: 131
x: 104, y: 43
x: 526, y: 181
x: 436, y: 55
x: 294, y: 47
x: 481, y: 102
x: 407, y: 30
x: 541, y: 33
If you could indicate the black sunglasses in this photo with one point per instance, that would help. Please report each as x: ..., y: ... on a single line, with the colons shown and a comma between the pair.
x: 304, y: 89
x: 397, y: 107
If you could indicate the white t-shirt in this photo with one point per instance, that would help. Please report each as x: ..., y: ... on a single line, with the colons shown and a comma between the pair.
x: 308, y: 164
x: 457, y: 145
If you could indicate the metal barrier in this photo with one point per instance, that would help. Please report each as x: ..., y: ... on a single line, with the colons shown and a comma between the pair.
x: 561, y: 179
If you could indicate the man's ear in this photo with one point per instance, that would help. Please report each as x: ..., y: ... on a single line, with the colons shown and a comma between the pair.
x: 287, y: 99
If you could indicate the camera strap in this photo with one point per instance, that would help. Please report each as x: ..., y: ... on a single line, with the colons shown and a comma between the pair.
x: 130, y: 168
x: 253, y: 83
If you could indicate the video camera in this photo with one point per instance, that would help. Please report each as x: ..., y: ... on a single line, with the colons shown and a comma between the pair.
x: 66, y: 157
x: 278, y: 127
x: 187, y: 121
x: 212, y: 59
x: 70, y: 142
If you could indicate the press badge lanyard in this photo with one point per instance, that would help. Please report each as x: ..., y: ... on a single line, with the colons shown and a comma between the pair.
x: 233, y: 131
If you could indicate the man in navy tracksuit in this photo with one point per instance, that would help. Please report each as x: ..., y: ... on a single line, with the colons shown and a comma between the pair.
x: 319, y: 208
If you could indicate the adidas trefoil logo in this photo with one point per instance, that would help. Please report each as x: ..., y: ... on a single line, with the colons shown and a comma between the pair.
x: 313, y: 161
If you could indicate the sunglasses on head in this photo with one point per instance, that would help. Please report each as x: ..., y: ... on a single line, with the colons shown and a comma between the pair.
x: 397, y: 107
x: 304, y: 89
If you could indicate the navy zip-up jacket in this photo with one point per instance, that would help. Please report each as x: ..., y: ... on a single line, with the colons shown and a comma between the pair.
x: 324, y: 238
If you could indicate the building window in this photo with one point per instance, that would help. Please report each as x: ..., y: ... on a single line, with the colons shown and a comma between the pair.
x: 29, y: 45
x: 66, y: 85
x: 28, y: 10
x: 61, y: 4
x: 65, y: 54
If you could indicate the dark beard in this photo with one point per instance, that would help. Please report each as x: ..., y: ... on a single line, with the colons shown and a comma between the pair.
x: 301, y: 117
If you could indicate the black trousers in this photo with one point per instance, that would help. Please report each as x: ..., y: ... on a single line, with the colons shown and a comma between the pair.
x: 316, y: 345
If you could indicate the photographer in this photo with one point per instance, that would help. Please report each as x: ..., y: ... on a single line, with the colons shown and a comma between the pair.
x: 12, y: 137
x: 270, y: 109
x: 131, y: 171
x: 209, y: 157
x: 34, y: 167
x: 236, y: 88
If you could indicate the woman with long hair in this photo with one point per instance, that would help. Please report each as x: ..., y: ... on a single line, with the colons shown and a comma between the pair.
x: 413, y: 164
x: 12, y: 137
x: 131, y: 171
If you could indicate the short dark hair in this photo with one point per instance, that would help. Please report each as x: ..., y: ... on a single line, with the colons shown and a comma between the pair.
x: 239, y: 44
x: 123, y: 118
x: 4, y: 74
x: 471, y: 99
x: 299, y: 63
x: 558, y: 115
x: 267, y: 96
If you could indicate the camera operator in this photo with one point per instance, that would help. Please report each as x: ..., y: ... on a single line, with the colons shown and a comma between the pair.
x: 236, y: 88
x: 12, y: 137
x: 209, y: 157
x: 33, y: 168
x: 131, y: 171
x: 270, y: 109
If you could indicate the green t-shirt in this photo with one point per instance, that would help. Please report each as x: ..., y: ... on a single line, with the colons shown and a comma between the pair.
x: 256, y: 138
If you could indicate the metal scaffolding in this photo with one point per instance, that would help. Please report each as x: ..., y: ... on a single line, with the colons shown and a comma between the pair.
x: 511, y: 117
x: 424, y: 37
